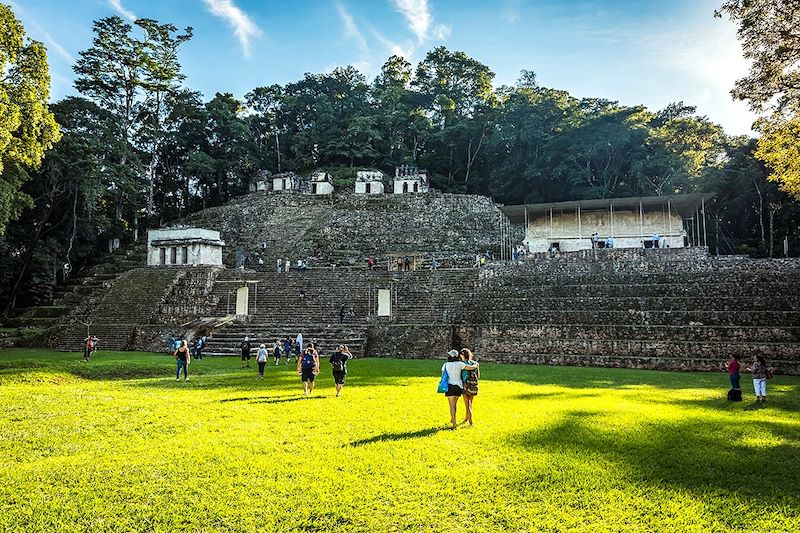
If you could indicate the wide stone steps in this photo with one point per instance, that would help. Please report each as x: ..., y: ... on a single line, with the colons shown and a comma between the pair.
x: 719, y: 350
x: 648, y: 303
x: 641, y: 317
x: 772, y: 333
x: 695, y: 290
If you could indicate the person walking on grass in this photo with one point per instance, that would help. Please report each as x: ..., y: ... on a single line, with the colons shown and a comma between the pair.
x: 470, y: 379
x: 245, y: 346
x: 338, y: 362
x: 276, y: 351
x: 308, y: 368
x: 455, y: 386
x: 88, y: 347
x: 287, y: 349
x: 760, y: 373
x: 183, y: 358
x: 261, y: 360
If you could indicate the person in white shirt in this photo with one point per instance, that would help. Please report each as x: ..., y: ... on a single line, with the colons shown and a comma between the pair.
x: 455, y: 386
x: 261, y: 359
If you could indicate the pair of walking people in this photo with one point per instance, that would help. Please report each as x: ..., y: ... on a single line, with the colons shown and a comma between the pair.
x: 461, y: 373
x: 308, y: 368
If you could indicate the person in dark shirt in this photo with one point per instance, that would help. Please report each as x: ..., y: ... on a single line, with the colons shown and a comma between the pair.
x: 245, y: 346
x: 183, y: 358
x: 339, y: 363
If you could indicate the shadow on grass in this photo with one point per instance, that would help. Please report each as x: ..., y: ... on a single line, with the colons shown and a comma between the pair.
x: 389, y: 437
x: 285, y: 400
x: 699, y: 455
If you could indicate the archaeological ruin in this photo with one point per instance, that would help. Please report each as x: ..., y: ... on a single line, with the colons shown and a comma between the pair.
x: 671, y: 307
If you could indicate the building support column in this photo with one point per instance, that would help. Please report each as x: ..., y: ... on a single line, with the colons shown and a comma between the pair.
x: 703, y: 208
x: 551, y: 224
x: 580, y: 229
x: 525, y: 237
x: 669, y: 216
x: 611, y: 206
x: 641, y: 222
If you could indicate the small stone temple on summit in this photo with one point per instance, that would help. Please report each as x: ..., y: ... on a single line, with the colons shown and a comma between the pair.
x: 262, y: 182
x: 286, y: 181
x: 369, y: 182
x: 409, y: 178
x: 675, y: 221
x: 184, y: 247
x: 321, y: 183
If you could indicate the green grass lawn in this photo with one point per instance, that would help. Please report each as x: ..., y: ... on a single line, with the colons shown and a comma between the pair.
x: 116, y: 444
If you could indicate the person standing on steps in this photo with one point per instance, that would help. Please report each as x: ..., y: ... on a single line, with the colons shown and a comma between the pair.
x: 308, y: 368
x: 245, y: 346
x: 261, y: 359
x: 299, y: 341
x: 276, y: 351
x: 455, y: 386
x: 470, y: 380
x: 183, y: 358
x: 338, y: 362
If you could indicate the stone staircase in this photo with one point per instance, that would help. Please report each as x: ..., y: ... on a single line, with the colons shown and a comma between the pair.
x: 661, y: 315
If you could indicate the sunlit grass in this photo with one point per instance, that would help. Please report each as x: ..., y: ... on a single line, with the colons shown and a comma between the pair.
x: 117, y: 444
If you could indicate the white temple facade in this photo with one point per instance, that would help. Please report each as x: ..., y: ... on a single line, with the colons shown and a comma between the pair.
x: 262, y: 182
x: 409, y: 179
x: 647, y: 222
x: 287, y: 181
x: 320, y: 183
x: 184, y: 247
x: 369, y: 182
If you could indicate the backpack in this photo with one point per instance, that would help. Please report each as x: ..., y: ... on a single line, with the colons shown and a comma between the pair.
x: 338, y: 364
x: 735, y: 395
x: 308, y: 361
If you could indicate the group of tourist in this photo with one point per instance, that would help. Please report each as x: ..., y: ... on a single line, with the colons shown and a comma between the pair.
x: 760, y: 372
x: 285, y: 265
x: 460, y: 376
x: 89, y: 347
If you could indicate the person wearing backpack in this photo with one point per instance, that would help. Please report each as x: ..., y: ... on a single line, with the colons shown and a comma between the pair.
x: 338, y: 362
x: 261, y: 359
x: 245, y: 346
x: 455, y: 386
x: 287, y: 349
x: 308, y: 368
x: 276, y: 351
x: 470, y: 380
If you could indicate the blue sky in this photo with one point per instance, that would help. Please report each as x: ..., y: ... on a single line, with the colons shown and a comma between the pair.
x: 649, y: 52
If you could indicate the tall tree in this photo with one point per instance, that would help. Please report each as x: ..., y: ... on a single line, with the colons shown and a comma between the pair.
x: 27, y: 127
x: 769, y: 31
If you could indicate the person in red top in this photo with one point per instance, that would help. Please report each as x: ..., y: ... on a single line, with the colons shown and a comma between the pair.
x: 733, y: 368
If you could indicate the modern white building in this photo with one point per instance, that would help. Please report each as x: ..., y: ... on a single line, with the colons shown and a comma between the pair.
x: 287, y: 181
x: 648, y: 222
x: 369, y: 182
x: 320, y: 183
x: 410, y: 179
x: 184, y: 247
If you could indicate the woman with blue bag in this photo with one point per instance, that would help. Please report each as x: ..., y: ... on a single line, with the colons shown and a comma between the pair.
x: 451, y: 373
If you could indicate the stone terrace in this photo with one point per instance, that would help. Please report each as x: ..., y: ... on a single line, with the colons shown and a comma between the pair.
x: 647, y: 313
x: 345, y: 229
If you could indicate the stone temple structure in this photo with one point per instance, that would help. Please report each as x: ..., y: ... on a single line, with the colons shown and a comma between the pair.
x: 286, y: 181
x: 369, y: 182
x: 184, y: 247
x: 674, y: 308
x: 320, y: 183
x: 410, y: 179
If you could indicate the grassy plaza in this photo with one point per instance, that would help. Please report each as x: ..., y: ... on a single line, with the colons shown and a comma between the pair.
x: 117, y: 444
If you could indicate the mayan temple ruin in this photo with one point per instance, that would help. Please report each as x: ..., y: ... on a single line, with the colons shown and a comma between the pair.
x: 622, y: 283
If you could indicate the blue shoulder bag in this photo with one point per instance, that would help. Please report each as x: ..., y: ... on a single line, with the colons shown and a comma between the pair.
x: 443, y: 383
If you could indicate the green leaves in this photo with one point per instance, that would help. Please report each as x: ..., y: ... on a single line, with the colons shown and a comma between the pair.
x: 27, y: 127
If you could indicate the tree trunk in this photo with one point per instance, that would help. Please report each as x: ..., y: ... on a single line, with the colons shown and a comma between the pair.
x: 761, y: 216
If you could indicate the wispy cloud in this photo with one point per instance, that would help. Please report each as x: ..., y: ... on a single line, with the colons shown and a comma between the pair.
x: 243, y: 26
x: 350, y: 27
x: 364, y: 63
x: 56, y: 47
x: 511, y: 11
x: 122, y: 10
x: 420, y: 20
